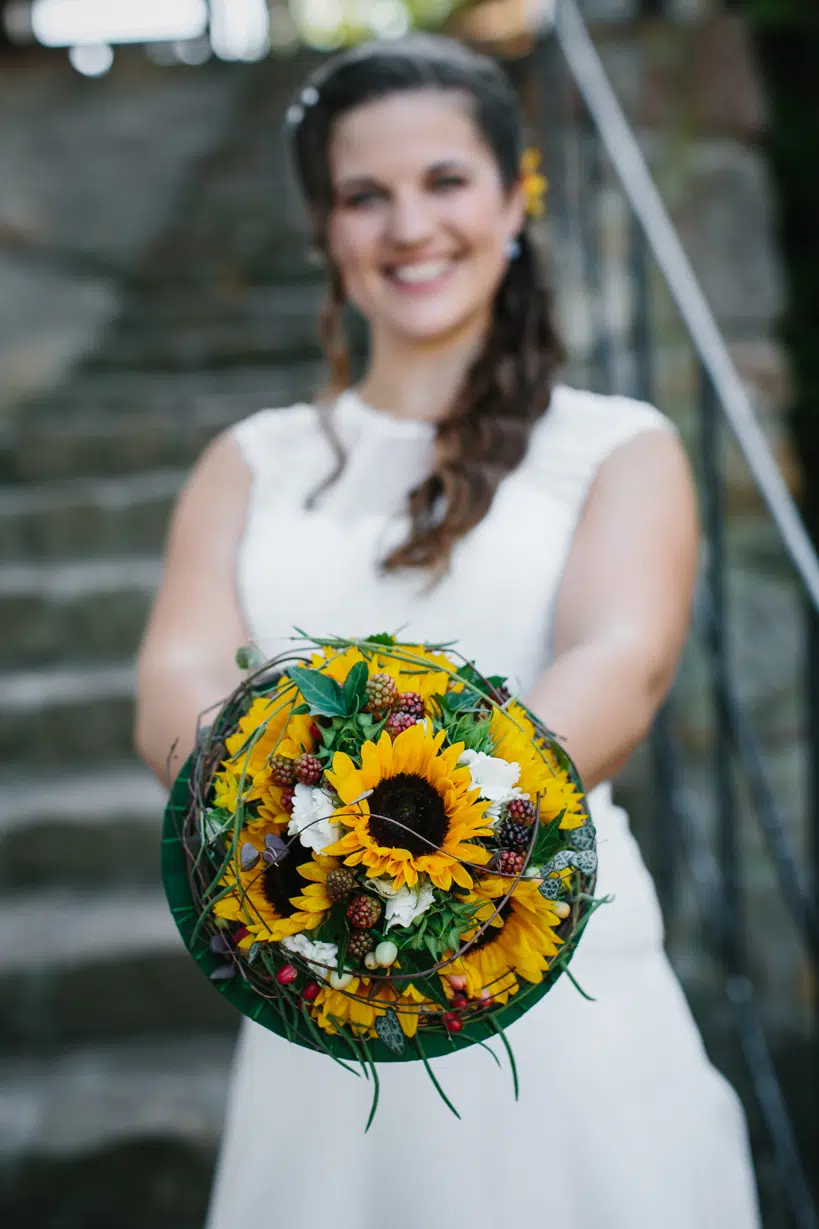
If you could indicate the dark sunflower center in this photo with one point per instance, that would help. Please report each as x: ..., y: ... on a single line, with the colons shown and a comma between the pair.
x: 492, y: 932
x: 406, y: 812
x: 281, y: 882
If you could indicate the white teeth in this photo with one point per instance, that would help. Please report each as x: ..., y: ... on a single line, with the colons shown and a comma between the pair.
x: 417, y: 274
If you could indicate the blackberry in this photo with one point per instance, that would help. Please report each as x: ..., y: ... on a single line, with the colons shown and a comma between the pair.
x: 513, y: 835
x: 340, y: 883
x: 509, y: 863
x: 398, y: 722
x: 361, y: 942
x: 381, y: 693
x: 410, y: 702
x: 364, y: 911
x: 288, y: 795
x: 308, y: 770
x: 282, y: 771
x: 522, y: 810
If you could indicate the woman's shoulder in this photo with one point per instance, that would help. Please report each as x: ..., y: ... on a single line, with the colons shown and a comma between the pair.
x: 267, y: 436
x: 579, y: 431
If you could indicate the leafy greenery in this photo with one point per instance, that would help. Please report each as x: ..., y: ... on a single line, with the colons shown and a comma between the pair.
x: 439, y: 930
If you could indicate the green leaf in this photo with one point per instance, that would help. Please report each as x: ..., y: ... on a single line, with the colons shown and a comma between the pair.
x: 390, y: 1032
x: 355, y: 687
x: 323, y: 694
x: 381, y: 638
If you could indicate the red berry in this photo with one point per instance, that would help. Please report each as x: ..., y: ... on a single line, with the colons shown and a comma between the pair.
x: 287, y: 800
x: 311, y: 992
x: 453, y: 1023
x: 315, y: 733
x: 460, y: 1000
x: 286, y: 974
x: 240, y: 934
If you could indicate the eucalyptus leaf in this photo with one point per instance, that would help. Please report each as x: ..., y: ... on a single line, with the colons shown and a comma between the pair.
x: 249, y: 856
x: 550, y: 889
x: 225, y: 972
x: 582, y: 837
x: 587, y: 861
x: 323, y: 694
x: 390, y: 1032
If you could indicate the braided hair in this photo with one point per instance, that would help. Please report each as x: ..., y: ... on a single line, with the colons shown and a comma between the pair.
x: 508, y: 386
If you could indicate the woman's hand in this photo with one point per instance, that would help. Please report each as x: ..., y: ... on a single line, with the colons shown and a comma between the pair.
x: 623, y: 606
x: 186, y: 662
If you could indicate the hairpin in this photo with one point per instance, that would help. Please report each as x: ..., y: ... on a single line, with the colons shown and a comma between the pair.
x: 535, y: 185
x: 308, y: 98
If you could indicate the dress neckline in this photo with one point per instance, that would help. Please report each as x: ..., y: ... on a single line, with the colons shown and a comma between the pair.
x: 351, y: 408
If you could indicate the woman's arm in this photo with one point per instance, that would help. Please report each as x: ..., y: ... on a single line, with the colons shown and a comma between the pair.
x: 187, y: 658
x: 623, y: 606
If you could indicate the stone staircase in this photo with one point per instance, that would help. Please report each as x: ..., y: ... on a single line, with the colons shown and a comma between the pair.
x: 114, y: 1050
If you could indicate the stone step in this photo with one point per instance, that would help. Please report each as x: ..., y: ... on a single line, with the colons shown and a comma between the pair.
x: 88, y: 517
x: 77, y: 611
x: 81, y: 830
x: 51, y: 718
x: 86, y: 1099
x: 287, y: 328
x: 84, y: 967
x: 107, y: 423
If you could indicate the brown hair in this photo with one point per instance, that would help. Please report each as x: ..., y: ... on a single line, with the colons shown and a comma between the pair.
x: 508, y: 387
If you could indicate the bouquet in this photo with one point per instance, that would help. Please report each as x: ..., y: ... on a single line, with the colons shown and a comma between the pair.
x: 378, y: 852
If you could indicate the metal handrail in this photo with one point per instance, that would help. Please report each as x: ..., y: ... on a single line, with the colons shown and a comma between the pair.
x: 645, y: 200
x: 718, y: 878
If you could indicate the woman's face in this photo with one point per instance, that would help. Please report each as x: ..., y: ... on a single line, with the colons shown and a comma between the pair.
x: 420, y: 219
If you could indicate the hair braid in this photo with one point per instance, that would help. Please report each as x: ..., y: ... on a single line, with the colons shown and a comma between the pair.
x: 331, y: 333
x: 485, y: 437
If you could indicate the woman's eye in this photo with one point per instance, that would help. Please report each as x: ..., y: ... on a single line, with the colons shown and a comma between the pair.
x: 447, y: 182
x: 357, y: 199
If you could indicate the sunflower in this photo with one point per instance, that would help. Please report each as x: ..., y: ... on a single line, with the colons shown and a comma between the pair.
x: 519, y: 942
x: 273, y: 902
x: 248, y: 761
x: 362, y: 1001
x: 430, y: 676
x: 515, y: 739
x: 421, y: 815
x: 281, y: 734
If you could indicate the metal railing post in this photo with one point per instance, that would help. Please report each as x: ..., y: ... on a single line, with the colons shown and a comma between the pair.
x: 726, y: 814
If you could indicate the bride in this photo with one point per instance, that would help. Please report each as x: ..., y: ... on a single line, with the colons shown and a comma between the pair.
x: 458, y: 492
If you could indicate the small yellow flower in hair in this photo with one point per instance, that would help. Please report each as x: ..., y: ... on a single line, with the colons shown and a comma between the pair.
x: 535, y: 185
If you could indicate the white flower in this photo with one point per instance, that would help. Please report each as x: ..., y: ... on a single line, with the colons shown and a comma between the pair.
x: 495, y: 809
x: 318, y: 955
x: 312, y: 809
x: 495, y: 777
x: 404, y: 905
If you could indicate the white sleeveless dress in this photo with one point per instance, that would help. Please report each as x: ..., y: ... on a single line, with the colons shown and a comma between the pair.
x: 622, y: 1123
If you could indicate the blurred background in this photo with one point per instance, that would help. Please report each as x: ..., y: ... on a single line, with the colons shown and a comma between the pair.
x: 155, y: 285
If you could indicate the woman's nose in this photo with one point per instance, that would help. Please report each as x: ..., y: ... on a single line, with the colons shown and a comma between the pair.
x: 410, y: 219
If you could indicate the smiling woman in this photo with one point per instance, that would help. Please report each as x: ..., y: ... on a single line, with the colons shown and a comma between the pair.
x: 459, y: 492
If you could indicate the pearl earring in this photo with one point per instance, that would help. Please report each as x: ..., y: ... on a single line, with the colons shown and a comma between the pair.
x: 512, y: 249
